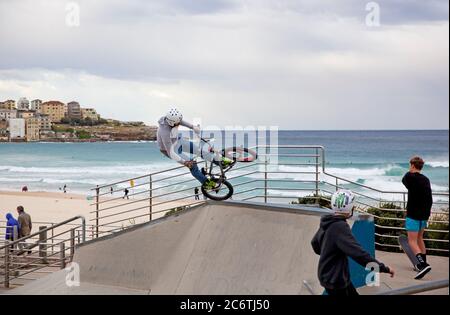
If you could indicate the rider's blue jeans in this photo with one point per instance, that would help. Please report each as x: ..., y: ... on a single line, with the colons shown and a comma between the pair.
x: 197, y: 173
x: 186, y: 146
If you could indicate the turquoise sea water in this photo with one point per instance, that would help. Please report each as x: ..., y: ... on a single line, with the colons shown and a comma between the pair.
x: 375, y: 158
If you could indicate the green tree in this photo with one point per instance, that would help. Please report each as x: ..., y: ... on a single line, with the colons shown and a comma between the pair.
x: 83, y: 134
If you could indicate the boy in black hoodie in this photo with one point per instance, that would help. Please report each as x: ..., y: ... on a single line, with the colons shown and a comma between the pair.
x: 418, y: 211
x: 334, y: 242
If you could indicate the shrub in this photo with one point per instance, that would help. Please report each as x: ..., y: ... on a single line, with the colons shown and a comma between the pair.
x: 438, y: 235
x: 173, y: 211
x: 57, y: 128
x: 383, y: 222
x: 83, y: 134
x: 313, y: 200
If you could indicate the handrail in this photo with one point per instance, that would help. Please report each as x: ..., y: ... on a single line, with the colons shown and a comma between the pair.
x: 318, y: 147
x: 244, y: 179
x: 83, y: 226
x: 430, y: 286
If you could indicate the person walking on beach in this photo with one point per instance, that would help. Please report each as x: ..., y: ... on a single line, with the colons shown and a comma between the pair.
x: 334, y: 242
x: 197, y: 197
x: 65, y: 188
x: 112, y: 190
x: 418, y: 211
x: 126, y: 191
x: 176, y: 148
x: 11, y: 225
x: 25, y: 224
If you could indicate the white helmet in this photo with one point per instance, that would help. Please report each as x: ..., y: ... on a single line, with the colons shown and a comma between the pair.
x: 174, y: 117
x: 342, y: 201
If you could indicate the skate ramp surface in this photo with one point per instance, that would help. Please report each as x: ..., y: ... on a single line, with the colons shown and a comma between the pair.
x: 216, y: 248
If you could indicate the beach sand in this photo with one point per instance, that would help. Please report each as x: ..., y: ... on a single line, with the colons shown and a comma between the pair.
x: 54, y: 207
x: 44, y: 206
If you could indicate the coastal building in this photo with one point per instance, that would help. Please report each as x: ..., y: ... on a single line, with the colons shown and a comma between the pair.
x: 54, y: 109
x: 36, y: 105
x: 32, y: 129
x: 47, y: 135
x: 23, y: 104
x: 73, y: 110
x: 9, y: 104
x: 45, y: 124
x: 16, y: 129
x: 3, y: 130
x: 89, y: 113
x: 25, y: 114
x: 8, y: 113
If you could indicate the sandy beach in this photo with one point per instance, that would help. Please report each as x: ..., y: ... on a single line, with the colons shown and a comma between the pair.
x: 54, y: 207
x: 44, y: 206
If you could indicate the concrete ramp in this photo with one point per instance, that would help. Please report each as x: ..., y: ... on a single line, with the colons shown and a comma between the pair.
x: 217, y: 248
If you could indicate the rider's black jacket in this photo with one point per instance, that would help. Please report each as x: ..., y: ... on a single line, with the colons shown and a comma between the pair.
x: 334, y: 242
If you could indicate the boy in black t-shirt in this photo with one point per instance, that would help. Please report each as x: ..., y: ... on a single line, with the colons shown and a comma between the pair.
x: 418, y: 211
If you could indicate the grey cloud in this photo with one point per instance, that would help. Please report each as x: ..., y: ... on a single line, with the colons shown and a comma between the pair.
x: 236, y: 53
x: 392, y: 11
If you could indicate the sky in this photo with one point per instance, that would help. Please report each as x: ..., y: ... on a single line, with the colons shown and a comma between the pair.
x: 304, y: 64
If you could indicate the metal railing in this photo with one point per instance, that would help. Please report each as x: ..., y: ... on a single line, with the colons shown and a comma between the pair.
x: 420, y: 288
x: 38, y: 254
x: 282, y: 173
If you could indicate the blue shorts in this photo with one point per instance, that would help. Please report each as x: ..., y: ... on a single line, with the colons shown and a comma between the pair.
x: 412, y: 225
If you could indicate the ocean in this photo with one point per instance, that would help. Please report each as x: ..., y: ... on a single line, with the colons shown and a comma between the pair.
x: 375, y: 158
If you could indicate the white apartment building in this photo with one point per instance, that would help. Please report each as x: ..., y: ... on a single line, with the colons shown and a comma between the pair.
x: 8, y: 113
x: 36, y: 105
x: 16, y: 129
x: 23, y: 103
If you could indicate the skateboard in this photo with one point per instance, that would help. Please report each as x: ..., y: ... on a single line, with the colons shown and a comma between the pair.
x: 403, y: 241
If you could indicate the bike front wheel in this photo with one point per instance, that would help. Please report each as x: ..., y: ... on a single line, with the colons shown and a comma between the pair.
x: 222, y: 191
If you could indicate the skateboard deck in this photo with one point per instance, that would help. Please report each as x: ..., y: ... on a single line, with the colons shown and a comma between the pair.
x: 403, y: 241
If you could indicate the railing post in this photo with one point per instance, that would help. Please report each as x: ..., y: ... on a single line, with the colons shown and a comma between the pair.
x: 317, y: 172
x: 43, y: 244
x: 53, y: 235
x: 6, y: 262
x: 83, y: 229
x: 15, y: 235
x: 72, y: 243
x: 150, y: 197
x: 404, y: 201
x: 97, y: 198
x: 337, y: 184
x: 265, y: 180
x: 62, y: 255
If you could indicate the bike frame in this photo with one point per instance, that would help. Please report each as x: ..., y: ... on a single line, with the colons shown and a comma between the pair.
x: 221, y: 175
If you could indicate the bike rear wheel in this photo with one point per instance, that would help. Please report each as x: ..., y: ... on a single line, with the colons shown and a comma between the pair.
x: 223, y: 191
x: 239, y: 154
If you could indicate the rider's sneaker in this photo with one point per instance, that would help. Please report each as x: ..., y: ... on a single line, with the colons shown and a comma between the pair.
x: 209, y: 184
x: 422, y: 266
x: 423, y: 269
x: 226, y: 162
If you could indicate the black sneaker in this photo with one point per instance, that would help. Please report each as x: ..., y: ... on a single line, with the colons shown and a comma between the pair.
x: 423, y: 270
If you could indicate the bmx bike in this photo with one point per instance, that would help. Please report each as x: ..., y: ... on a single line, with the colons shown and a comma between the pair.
x: 216, y: 170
